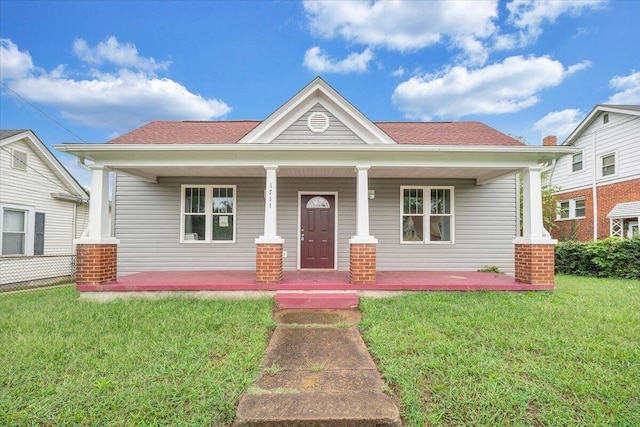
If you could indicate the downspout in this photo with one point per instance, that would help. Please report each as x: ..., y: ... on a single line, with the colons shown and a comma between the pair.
x: 594, y: 189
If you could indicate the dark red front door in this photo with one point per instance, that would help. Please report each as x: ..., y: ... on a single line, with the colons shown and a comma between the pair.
x: 317, y: 240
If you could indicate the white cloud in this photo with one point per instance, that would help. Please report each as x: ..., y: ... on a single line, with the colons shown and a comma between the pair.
x: 318, y: 61
x: 505, y: 87
x: 113, y: 52
x: 628, y: 88
x: 559, y: 123
x: 13, y: 63
x: 399, y: 72
x: 530, y: 15
x: 405, y: 25
x: 120, y: 100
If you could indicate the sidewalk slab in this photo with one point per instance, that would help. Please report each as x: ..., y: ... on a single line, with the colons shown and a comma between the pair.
x: 317, y: 371
x: 318, y: 409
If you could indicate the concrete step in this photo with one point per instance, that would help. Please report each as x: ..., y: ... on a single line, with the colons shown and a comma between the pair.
x: 316, y: 299
x: 365, y: 408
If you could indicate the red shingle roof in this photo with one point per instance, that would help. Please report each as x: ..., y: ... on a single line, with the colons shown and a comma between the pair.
x: 222, y: 132
x: 229, y: 132
x: 445, y: 133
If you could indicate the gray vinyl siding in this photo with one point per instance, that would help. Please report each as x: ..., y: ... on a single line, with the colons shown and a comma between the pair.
x: 299, y: 133
x: 485, y: 225
x: 147, y: 222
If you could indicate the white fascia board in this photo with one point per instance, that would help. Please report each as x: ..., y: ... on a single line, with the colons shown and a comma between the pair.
x: 318, y: 91
x: 86, y: 149
x: 587, y: 121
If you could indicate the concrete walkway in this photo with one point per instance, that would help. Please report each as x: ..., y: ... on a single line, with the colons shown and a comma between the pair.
x: 317, y: 371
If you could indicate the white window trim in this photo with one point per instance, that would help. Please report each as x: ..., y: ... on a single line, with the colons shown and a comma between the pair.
x: 427, y: 190
x: 572, y: 209
x: 615, y: 165
x: 208, y: 213
x: 31, y: 221
x: 571, y: 171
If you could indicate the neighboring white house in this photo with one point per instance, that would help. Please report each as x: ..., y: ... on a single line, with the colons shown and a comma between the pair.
x: 600, y: 184
x: 42, y: 210
x: 315, y: 186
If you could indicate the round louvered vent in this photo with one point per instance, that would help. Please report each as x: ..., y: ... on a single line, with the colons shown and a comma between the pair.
x: 318, y: 122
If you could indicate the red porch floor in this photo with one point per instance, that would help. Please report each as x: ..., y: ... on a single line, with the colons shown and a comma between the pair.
x: 313, y: 280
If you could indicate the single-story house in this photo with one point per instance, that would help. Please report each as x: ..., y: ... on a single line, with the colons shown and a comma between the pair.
x: 316, y: 186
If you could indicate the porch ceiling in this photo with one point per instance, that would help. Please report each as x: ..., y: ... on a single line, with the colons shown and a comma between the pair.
x: 480, y: 174
x: 153, y: 161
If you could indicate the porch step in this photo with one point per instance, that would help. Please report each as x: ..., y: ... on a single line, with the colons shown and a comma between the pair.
x: 316, y: 299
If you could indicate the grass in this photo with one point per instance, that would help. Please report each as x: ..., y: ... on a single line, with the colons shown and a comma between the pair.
x: 179, y: 362
x: 567, y: 357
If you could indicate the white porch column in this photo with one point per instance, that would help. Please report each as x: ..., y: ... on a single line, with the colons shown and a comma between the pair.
x: 97, y: 254
x: 98, y: 229
x: 534, y: 251
x: 533, y: 231
x: 362, y: 207
x: 271, y: 207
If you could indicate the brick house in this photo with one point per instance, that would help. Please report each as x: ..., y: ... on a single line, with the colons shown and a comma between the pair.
x: 599, y: 192
x: 317, y: 187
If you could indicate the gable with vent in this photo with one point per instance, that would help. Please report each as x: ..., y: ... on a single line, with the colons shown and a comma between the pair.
x: 318, y: 126
x: 317, y: 115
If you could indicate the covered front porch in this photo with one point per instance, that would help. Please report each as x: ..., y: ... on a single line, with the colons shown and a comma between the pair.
x: 228, y: 280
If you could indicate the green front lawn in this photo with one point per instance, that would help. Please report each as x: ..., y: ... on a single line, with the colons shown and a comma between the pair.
x: 567, y: 357
x: 178, y: 362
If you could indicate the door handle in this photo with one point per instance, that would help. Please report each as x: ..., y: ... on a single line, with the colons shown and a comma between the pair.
x: 302, y: 237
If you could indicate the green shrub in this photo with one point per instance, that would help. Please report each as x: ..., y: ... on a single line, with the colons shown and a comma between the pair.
x: 611, y: 257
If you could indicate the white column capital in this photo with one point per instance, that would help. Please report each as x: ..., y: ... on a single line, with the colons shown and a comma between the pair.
x: 362, y: 168
x: 271, y: 167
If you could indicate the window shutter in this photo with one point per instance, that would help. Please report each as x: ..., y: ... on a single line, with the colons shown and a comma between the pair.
x: 38, y: 245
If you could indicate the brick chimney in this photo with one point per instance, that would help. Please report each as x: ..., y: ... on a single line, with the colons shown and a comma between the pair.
x: 549, y: 141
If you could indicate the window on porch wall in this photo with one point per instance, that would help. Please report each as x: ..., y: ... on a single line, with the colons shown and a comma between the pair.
x: 427, y: 226
x: 208, y: 213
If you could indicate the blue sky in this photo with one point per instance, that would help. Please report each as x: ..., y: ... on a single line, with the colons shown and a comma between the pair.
x: 89, y: 71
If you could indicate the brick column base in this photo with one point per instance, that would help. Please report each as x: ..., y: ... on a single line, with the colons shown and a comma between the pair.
x: 362, y: 264
x: 96, y: 263
x: 535, y: 263
x: 268, y: 263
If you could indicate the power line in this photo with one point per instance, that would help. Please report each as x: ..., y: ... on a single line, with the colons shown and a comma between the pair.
x: 42, y: 112
x: 34, y: 169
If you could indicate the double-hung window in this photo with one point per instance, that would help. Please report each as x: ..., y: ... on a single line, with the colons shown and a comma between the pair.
x: 427, y: 214
x: 571, y: 209
x: 576, y: 162
x: 20, y: 226
x: 208, y: 213
x: 608, y: 164
x: 14, y: 232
